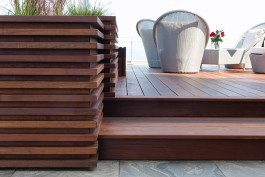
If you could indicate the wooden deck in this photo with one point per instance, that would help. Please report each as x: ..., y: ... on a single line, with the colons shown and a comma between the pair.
x: 166, y: 116
x: 144, y: 81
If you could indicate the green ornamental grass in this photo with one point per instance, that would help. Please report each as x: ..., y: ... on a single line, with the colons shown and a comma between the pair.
x: 56, y: 7
x: 97, y: 9
x: 25, y: 7
x: 37, y: 7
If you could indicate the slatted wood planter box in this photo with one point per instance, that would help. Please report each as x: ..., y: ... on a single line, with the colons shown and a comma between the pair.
x: 51, y: 90
x: 111, y: 55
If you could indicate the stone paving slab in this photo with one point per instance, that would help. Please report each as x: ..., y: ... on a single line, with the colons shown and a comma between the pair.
x: 154, y: 169
x: 242, y: 168
x: 169, y: 169
x: 104, y: 169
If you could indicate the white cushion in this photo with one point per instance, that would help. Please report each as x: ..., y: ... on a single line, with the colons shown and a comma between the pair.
x: 177, y: 25
x: 252, y: 37
x: 260, y: 50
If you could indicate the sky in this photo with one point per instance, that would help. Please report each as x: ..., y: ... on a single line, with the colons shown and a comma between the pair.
x: 232, y: 16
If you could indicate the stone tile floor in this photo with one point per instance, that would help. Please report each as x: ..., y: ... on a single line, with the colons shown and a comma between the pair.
x: 154, y: 169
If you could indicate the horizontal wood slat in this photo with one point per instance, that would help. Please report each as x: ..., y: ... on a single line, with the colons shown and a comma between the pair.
x: 91, y: 20
x: 112, y: 74
x: 53, y: 71
x: 52, y: 32
x: 112, y: 55
x: 48, y: 124
x: 109, y: 27
x: 113, y: 64
x: 53, y: 84
x: 49, y: 150
x: 49, y: 111
x: 52, y: 45
x: 52, y: 58
x: 48, y: 137
x: 53, y: 163
x: 51, y: 89
x: 109, y: 46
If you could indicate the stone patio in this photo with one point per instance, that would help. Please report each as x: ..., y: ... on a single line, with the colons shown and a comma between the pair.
x: 154, y: 169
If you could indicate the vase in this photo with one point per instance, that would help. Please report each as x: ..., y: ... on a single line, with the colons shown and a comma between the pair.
x: 216, y: 46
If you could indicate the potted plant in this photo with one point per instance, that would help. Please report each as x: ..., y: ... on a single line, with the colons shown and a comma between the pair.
x: 51, y: 63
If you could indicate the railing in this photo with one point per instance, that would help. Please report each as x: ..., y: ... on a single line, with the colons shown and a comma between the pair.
x: 134, y: 50
x: 136, y: 54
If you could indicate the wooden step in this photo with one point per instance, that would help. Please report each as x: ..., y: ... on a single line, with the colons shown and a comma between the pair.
x: 184, y: 107
x: 181, y: 138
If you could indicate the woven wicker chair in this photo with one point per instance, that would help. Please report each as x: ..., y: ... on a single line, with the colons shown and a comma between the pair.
x: 145, y: 30
x: 181, y: 38
x: 245, y: 60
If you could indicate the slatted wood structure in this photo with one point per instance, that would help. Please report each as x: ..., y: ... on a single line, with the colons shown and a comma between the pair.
x: 51, y: 86
x: 111, y: 55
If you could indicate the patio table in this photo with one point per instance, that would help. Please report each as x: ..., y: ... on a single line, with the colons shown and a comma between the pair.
x: 223, y: 56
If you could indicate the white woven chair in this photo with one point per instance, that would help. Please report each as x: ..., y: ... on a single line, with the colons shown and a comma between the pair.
x: 257, y: 58
x: 145, y: 30
x: 181, y: 38
x: 247, y: 42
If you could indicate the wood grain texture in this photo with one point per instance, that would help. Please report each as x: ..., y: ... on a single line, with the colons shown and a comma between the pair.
x: 48, y: 138
x: 95, y: 21
x: 51, y: 89
x: 51, y: 45
x: 184, y: 107
x: 48, y: 150
x: 48, y: 124
x: 142, y: 149
x: 53, y: 71
x: 52, y: 32
x: 111, y: 53
x: 204, y: 84
x: 52, y: 58
x: 54, y: 163
x: 53, y: 84
x: 182, y: 128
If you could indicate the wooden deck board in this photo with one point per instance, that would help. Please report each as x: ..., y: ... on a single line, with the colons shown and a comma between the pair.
x: 146, y: 86
x: 144, y: 81
x: 162, y: 88
x: 133, y: 87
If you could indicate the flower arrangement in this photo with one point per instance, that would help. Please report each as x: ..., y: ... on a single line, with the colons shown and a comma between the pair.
x: 217, y: 37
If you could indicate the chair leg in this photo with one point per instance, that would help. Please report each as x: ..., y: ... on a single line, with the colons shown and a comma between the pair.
x: 244, y: 67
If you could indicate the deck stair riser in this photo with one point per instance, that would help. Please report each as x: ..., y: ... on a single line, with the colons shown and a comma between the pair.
x: 184, y: 107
